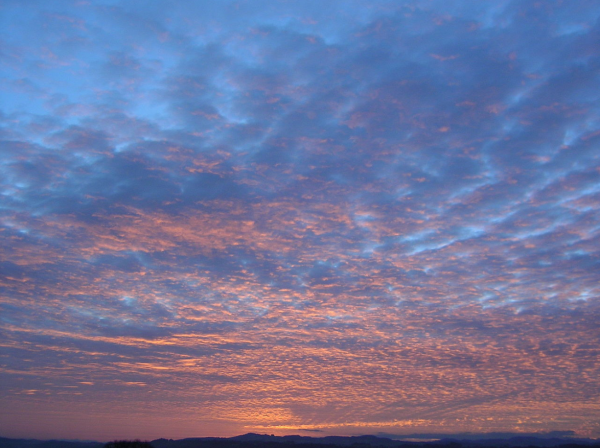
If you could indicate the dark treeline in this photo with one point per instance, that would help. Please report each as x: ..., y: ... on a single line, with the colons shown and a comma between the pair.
x: 128, y: 444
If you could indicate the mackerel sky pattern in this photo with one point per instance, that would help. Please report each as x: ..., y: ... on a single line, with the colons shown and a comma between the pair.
x: 310, y: 217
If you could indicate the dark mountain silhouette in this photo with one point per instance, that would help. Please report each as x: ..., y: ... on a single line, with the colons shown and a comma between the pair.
x: 252, y: 440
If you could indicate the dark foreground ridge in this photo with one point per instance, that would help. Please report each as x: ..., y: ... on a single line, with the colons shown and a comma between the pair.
x: 266, y: 441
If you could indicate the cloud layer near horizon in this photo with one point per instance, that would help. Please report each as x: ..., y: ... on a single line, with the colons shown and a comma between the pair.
x: 280, y: 216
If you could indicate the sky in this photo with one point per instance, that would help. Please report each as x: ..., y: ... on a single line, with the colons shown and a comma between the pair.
x: 299, y: 217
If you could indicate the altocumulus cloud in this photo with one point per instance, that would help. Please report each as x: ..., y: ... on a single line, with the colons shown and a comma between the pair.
x: 276, y: 216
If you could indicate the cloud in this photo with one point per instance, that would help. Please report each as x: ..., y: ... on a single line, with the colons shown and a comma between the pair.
x: 304, y: 216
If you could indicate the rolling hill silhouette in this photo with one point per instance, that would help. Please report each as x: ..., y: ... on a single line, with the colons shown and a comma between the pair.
x: 253, y: 440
